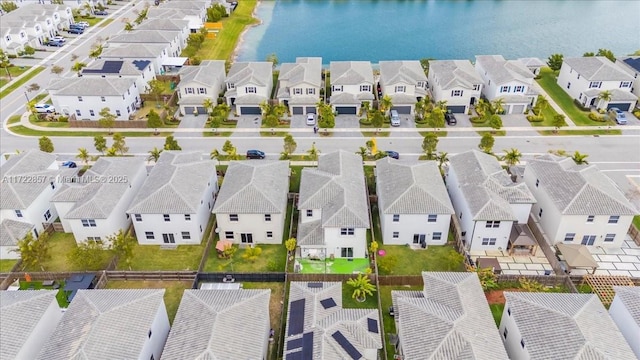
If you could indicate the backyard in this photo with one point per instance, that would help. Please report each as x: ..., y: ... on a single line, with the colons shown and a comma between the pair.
x: 60, y: 245
x: 272, y: 259
x: 275, y: 310
x: 154, y: 257
x: 434, y: 258
x: 6, y: 265
x: 387, y: 320
x: 61, y: 297
x: 335, y: 266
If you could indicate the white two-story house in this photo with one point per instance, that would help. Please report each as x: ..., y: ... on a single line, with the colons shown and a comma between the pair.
x: 249, y: 84
x: 351, y: 84
x: 252, y: 204
x: 631, y: 64
x: 586, y: 78
x: 404, y: 82
x: 194, y: 17
x: 139, y: 70
x: 625, y: 312
x: 199, y: 83
x: 299, y: 85
x: 413, y: 203
x: 487, y: 202
x: 456, y: 82
x: 509, y: 80
x: 334, y: 209
x: 86, y: 96
x: 161, y: 25
x: 156, y: 53
x: 577, y: 204
x: 93, y: 206
x: 31, y: 25
x: 171, y: 38
x: 174, y: 204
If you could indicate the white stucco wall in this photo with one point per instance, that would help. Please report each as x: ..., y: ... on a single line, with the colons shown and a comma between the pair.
x: 512, y: 342
x: 71, y: 104
x: 501, y: 234
x: 252, y: 224
x: 522, y: 212
x: 463, y: 213
x: 628, y: 327
x: 334, y: 242
x: 62, y: 208
x: 41, y: 332
x: 6, y: 253
x: 159, y: 333
x: 414, y: 224
x: 34, y: 214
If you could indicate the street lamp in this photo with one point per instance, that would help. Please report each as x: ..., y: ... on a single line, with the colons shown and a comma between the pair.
x: 27, y: 96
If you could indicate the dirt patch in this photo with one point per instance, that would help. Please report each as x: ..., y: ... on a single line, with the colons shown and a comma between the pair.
x: 497, y: 296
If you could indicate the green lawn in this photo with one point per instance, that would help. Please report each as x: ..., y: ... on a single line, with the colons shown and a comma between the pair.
x: 217, y: 131
x: 272, y: 259
x: 434, y: 258
x: 348, y: 302
x: 14, y: 71
x: 21, y: 130
x: 375, y: 133
x: 7, y: 264
x: 17, y: 83
x: 14, y: 119
x: 275, y: 311
x: 60, y: 245
x: 496, y: 311
x: 335, y: 266
x: 389, y: 326
x: 152, y: 257
x: 172, y: 295
x: 222, y: 46
x: 294, y: 180
x: 427, y: 129
x: 106, y: 22
x: 61, y: 297
x: 51, y: 124
x: 485, y: 124
x: 636, y: 221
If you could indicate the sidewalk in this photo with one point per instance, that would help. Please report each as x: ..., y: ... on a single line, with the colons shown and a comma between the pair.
x: 553, y: 104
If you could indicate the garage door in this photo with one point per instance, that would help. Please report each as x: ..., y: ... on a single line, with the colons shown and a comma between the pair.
x: 623, y: 106
x: 346, y: 110
x: 188, y: 110
x: 202, y: 110
x: 298, y: 110
x: 402, y: 109
x: 517, y: 109
x: 456, y: 109
x: 311, y: 109
x: 250, y: 110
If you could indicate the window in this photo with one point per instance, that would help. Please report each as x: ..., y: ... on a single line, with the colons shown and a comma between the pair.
x: 432, y: 218
x: 518, y: 89
x: 505, y: 332
x: 188, y: 90
x: 537, y: 182
x: 613, y: 219
x: 401, y: 88
x: 269, y: 234
x: 79, y: 98
x: 53, y: 185
x: 78, y: 113
x: 18, y: 213
x: 88, y: 222
x: 202, y: 90
x: 228, y: 234
x: 231, y: 86
x: 492, y: 224
x: 588, y: 240
x: 94, y: 239
x: 464, y: 233
x: 365, y: 88
x: 346, y: 252
x: 625, y: 84
x: 311, y: 91
x: 309, y: 213
x: 568, y: 237
x: 336, y: 88
x: 540, y: 213
x: 509, y: 311
x: 166, y: 217
x: 149, y: 334
x: 476, y: 87
x: 297, y: 91
x: 92, y: 113
x: 168, y: 239
x: 421, y: 84
x: 187, y: 217
x: 128, y: 110
x: 267, y: 217
x: 233, y: 217
x: 568, y: 85
x: 47, y: 215
x: 250, y: 89
x: 186, y: 235
x: 396, y: 234
x: 118, y: 113
x: 138, y: 217
x: 347, y: 231
x: 522, y: 343
x: 396, y: 217
x: 103, y: 99
x: 436, y: 236
x: 456, y: 92
x: 590, y: 218
x: 8, y: 38
x: 488, y: 241
x: 149, y: 235
x: 505, y: 89
x: 595, y: 84
x: 609, y: 237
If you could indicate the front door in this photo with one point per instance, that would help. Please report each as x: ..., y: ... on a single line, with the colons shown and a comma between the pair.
x: 419, y: 238
x: 346, y: 252
x: 588, y: 239
x: 246, y: 238
x: 168, y: 239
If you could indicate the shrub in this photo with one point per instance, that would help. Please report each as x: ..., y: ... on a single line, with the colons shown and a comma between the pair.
x: 535, y: 118
x: 476, y: 119
x: 12, y: 56
x: 63, y: 119
x: 387, y: 263
x: 272, y: 265
x: 595, y: 117
x: 364, y: 121
x: 579, y: 105
x: 636, y: 113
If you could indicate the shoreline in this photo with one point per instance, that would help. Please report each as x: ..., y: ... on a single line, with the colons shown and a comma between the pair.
x: 234, y: 54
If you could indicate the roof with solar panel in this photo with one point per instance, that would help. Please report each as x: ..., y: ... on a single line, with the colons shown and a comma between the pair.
x: 116, y: 67
x: 319, y: 328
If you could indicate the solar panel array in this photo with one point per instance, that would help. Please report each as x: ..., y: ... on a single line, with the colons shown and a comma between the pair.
x: 108, y: 67
x: 295, y: 356
x: 141, y: 64
x: 372, y: 324
x: 296, y: 317
x: 316, y: 285
x: 307, y: 345
x: 294, y: 344
x: 328, y: 303
x: 346, y: 345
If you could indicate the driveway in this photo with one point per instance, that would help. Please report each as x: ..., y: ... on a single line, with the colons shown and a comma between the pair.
x: 248, y: 122
x: 191, y: 122
x: 347, y: 122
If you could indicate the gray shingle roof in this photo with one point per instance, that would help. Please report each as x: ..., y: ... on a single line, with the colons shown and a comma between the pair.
x: 175, y: 185
x: 532, y: 61
x: 578, y: 190
x: 486, y: 187
x: 449, y: 319
x: 133, y: 51
x: 254, y: 187
x: 20, y: 312
x: 306, y: 70
x: 337, y: 187
x: 96, y: 200
x: 454, y: 73
x: 630, y: 297
x: 411, y: 188
x: 104, y: 324
x: 324, y: 322
x: 257, y: 73
x: 598, y: 68
x: 90, y: 86
x: 145, y: 36
x: 163, y: 24
x: 566, y: 326
x: 501, y: 71
x: 310, y: 233
x: 406, y: 72
x: 33, y: 165
x: 220, y: 324
x: 12, y: 231
x: 209, y: 72
x: 351, y: 72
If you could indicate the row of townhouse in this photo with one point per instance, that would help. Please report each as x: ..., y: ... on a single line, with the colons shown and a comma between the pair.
x: 449, y: 318
x: 31, y: 25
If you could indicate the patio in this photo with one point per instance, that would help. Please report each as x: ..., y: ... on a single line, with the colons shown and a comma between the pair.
x: 517, y: 265
x: 622, y: 261
x: 328, y: 266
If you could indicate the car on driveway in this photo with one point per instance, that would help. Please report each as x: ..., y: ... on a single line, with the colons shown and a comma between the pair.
x: 75, y: 30
x: 255, y: 154
x: 59, y: 38
x: 450, y: 118
x: 69, y: 164
x: 84, y: 24
x: 311, y: 119
x: 101, y: 13
x: 392, y: 154
x: 45, y: 109
x: 618, y: 116
x: 57, y: 43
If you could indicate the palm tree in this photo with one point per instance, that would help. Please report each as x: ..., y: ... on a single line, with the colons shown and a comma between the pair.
x: 483, y: 108
x: 512, y: 157
x: 497, y: 106
x: 128, y: 26
x: 542, y: 104
x: 366, y: 106
x: 442, y: 104
x: 215, y: 154
x: 208, y: 105
x: 313, y: 152
x: 362, y: 287
x: 580, y: 159
x: 442, y: 157
x: 154, y: 154
x: 83, y: 154
x: 604, y: 97
x: 385, y: 104
x: 363, y: 152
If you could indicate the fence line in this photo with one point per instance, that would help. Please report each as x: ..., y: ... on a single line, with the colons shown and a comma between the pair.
x: 207, y: 248
x: 151, y: 275
x: 543, y: 243
x: 635, y: 234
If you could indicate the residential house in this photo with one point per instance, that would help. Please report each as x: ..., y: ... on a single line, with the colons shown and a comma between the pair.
x: 586, y: 78
x: 139, y: 70
x: 333, y: 206
x: 93, y: 206
x: 28, y: 319
x: 86, y: 96
x: 158, y: 54
x: 404, y: 82
x: 171, y: 38
x: 560, y: 326
x: 454, y: 312
x: 508, y: 80
x: 31, y: 25
x: 29, y: 181
x: 318, y: 327
x: 173, y: 205
x: 249, y: 84
x: 456, y: 82
x: 193, y: 11
x: 252, y: 203
x: 351, y: 84
x: 193, y: 16
x: 167, y: 24
x: 625, y: 312
x: 631, y: 64
x: 199, y: 83
x: 533, y: 64
x: 487, y: 202
x: 413, y: 203
x: 220, y: 324
x: 300, y: 84
x: 577, y: 203
x: 92, y: 327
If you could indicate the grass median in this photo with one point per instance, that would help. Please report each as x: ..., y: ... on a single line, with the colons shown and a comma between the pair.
x: 17, y: 83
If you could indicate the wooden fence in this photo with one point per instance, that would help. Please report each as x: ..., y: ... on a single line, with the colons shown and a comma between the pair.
x: 210, y: 240
x: 543, y: 243
x: 635, y: 234
x: 151, y: 275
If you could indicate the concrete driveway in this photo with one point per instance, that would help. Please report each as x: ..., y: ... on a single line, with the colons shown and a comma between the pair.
x: 347, y: 122
x: 191, y: 122
x: 248, y: 122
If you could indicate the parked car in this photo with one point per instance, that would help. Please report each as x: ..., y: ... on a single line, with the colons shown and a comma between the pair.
x: 59, y: 38
x: 83, y: 24
x: 311, y: 119
x: 75, y: 30
x: 255, y: 154
x: 45, y: 109
x: 69, y: 164
x: 618, y: 116
x: 101, y: 13
x: 395, y: 118
x: 77, y: 26
x: 392, y: 154
x: 450, y: 118
x: 57, y: 43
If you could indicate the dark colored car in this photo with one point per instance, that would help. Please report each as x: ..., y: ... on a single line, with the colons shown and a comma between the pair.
x: 450, y: 118
x: 255, y: 154
x: 75, y: 30
x: 392, y: 154
x: 101, y: 13
x: 55, y: 43
x: 69, y: 164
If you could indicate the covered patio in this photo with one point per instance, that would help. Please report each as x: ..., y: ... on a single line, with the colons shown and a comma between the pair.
x: 521, y: 241
x: 576, y: 256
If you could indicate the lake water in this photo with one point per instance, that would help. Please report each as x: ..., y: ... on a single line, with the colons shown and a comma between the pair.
x: 442, y: 29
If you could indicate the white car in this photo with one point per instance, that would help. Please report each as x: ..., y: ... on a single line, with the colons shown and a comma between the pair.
x: 311, y: 119
x: 59, y: 38
x: 84, y: 24
x: 45, y: 109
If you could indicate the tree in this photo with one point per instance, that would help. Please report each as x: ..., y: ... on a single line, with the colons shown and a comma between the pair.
x: 423, y: 106
x: 385, y: 104
x: 215, y: 13
x: 154, y: 154
x: 100, y: 143
x: 542, y: 104
x: 604, y: 96
x: 442, y: 158
x: 588, y: 54
x: 153, y: 119
x: 230, y: 150
x: 95, y: 51
x: 34, y: 251
x: 497, y: 106
x: 5, y: 63
x: 512, y: 157
x: 57, y: 70
x: 208, y: 105
x: 327, y: 118
x: 430, y: 144
x: 555, y: 61
x: 107, y: 119
x: 156, y: 87
x: 214, y: 154
x: 363, y: 152
x: 119, y: 144
x: 111, y: 152
x: 483, y: 108
x: 31, y: 106
x: 486, y: 143
x: 607, y: 53
x: 45, y: 144
x: 580, y: 159
x: 290, y: 145
x: 436, y: 119
x: 33, y: 87
x: 83, y: 154
x: 8, y: 6
x: 362, y: 287
x: 78, y: 66
x: 272, y: 58
x: 558, y: 122
x: 314, y: 153
x: 425, y: 65
x: 28, y: 50
x: 122, y: 244
x: 252, y: 253
x: 291, y: 245
x: 128, y: 26
x: 272, y: 114
x: 442, y: 105
x: 170, y: 143
x: 377, y: 119
x: 88, y: 255
x: 373, y: 247
x: 495, y: 121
